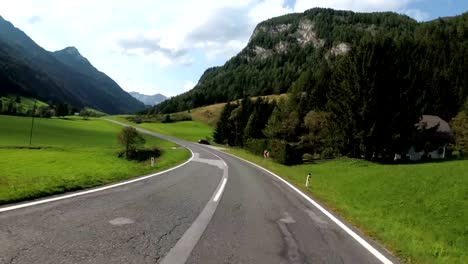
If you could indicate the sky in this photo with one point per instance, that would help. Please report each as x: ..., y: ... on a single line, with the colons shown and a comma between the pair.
x: 160, y: 46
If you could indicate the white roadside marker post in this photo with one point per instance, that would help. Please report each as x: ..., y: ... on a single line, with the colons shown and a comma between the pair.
x: 307, y: 181
x: 152, y: 161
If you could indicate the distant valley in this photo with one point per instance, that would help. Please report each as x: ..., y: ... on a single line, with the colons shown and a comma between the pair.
x: 150, y: 100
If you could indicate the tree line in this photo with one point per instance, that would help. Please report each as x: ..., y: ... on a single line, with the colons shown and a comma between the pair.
x: 13, y: 105
x: 364, y: 104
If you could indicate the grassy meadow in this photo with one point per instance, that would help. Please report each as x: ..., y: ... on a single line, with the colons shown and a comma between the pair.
x: 210, y: 114
x: 419, y: 211
x: 186, y: 130
x: 68, y: 154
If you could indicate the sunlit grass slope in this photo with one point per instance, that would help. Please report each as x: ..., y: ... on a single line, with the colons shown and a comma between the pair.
x: 67, y: 154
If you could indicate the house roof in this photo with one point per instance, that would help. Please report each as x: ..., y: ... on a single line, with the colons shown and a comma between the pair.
x: 430, y: 121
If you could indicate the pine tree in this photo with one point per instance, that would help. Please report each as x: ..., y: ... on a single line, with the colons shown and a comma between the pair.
x: 223, y: 131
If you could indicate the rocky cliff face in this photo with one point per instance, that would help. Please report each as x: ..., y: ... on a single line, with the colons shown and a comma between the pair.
x: 282, y: 49
x: 289, y: 36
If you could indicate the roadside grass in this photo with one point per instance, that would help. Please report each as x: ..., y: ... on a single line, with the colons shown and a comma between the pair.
x: 68, y: 154
x: 210, y: 114
x: 418, y: 211
x: 186, y: 130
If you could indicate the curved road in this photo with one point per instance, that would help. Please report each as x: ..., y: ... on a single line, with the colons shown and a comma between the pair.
x: 213, y: 209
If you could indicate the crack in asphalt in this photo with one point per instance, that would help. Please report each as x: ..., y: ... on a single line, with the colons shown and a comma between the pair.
x: 17, y: 255
x: 179, y: 222
x: 292, y: 249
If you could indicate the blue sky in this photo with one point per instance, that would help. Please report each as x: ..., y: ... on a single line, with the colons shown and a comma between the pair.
x: 160, y: 46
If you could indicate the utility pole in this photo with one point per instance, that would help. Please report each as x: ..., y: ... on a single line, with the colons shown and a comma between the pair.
x: 32, y: 121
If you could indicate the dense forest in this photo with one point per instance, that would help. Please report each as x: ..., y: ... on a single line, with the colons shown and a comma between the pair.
x: 283, y: 48
x: 357, y: 83
x: 365, y: 102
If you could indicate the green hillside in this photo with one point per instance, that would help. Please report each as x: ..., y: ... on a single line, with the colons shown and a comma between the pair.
x: 68, y: 154
x: 357, y: 84
x: 300, y: 52
x: 24, y: 106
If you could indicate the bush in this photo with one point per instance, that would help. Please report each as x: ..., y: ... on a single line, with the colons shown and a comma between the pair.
x: 169, y: 118
x: 459, y: 126
x: 130, y: 139
x: 144, y: 154
x: 257, y: 146
x: 285, y: 153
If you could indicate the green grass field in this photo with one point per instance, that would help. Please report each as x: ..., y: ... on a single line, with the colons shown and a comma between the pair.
x: 72, y: 154
x: 26, y: 104
x: 418, y: 211
x: 95, y: 112
x: 186, y: 130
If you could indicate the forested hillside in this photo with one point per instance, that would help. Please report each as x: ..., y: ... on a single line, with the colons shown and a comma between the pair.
x: 358, y: 83
x: 283, y: 48
x: 57, y: 77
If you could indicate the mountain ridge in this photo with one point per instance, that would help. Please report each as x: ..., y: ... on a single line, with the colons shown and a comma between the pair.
x: 280, y: 49
x: 58, y: 77
x: 149, y: 100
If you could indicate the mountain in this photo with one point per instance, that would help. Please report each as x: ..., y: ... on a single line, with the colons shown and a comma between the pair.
x: 357, y: 84
x: 150, y: 100
x: 300, y: 51
x: 56, y: 77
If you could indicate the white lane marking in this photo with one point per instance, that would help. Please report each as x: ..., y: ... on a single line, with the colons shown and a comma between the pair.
x: 183, y: 248
x: 217, y: 163
x: 67, y: 196
x: 220, y: 191
x: 350, y: 232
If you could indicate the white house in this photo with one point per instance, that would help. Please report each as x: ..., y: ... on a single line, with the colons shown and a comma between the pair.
x: 438, y: 139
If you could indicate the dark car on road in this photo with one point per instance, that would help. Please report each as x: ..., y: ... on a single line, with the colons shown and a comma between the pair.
x: 204, y: 142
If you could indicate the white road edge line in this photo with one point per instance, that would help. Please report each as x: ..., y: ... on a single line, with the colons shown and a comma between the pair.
x: 67, y: 196
x: 220, y: 191
x: 350, y: 232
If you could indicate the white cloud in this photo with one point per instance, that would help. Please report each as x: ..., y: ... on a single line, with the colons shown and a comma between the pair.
x: 219, y: 29
x: 166, y: 31
x: 354, y: 5
x: 129, y: 85
x: 188, y: 85
x: 268, y: 9
x: 128, y: 38
x: 417, y: 14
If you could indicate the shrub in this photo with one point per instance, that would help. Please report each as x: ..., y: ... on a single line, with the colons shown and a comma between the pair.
x: 167, y: 119
x: 131, y: 139
x: 459, y: 126
x: 144, y: 154
x: 285, y: 153
x: 257, y: 146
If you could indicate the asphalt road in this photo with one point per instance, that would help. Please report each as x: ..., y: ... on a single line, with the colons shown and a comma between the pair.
x: 213, y: 209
